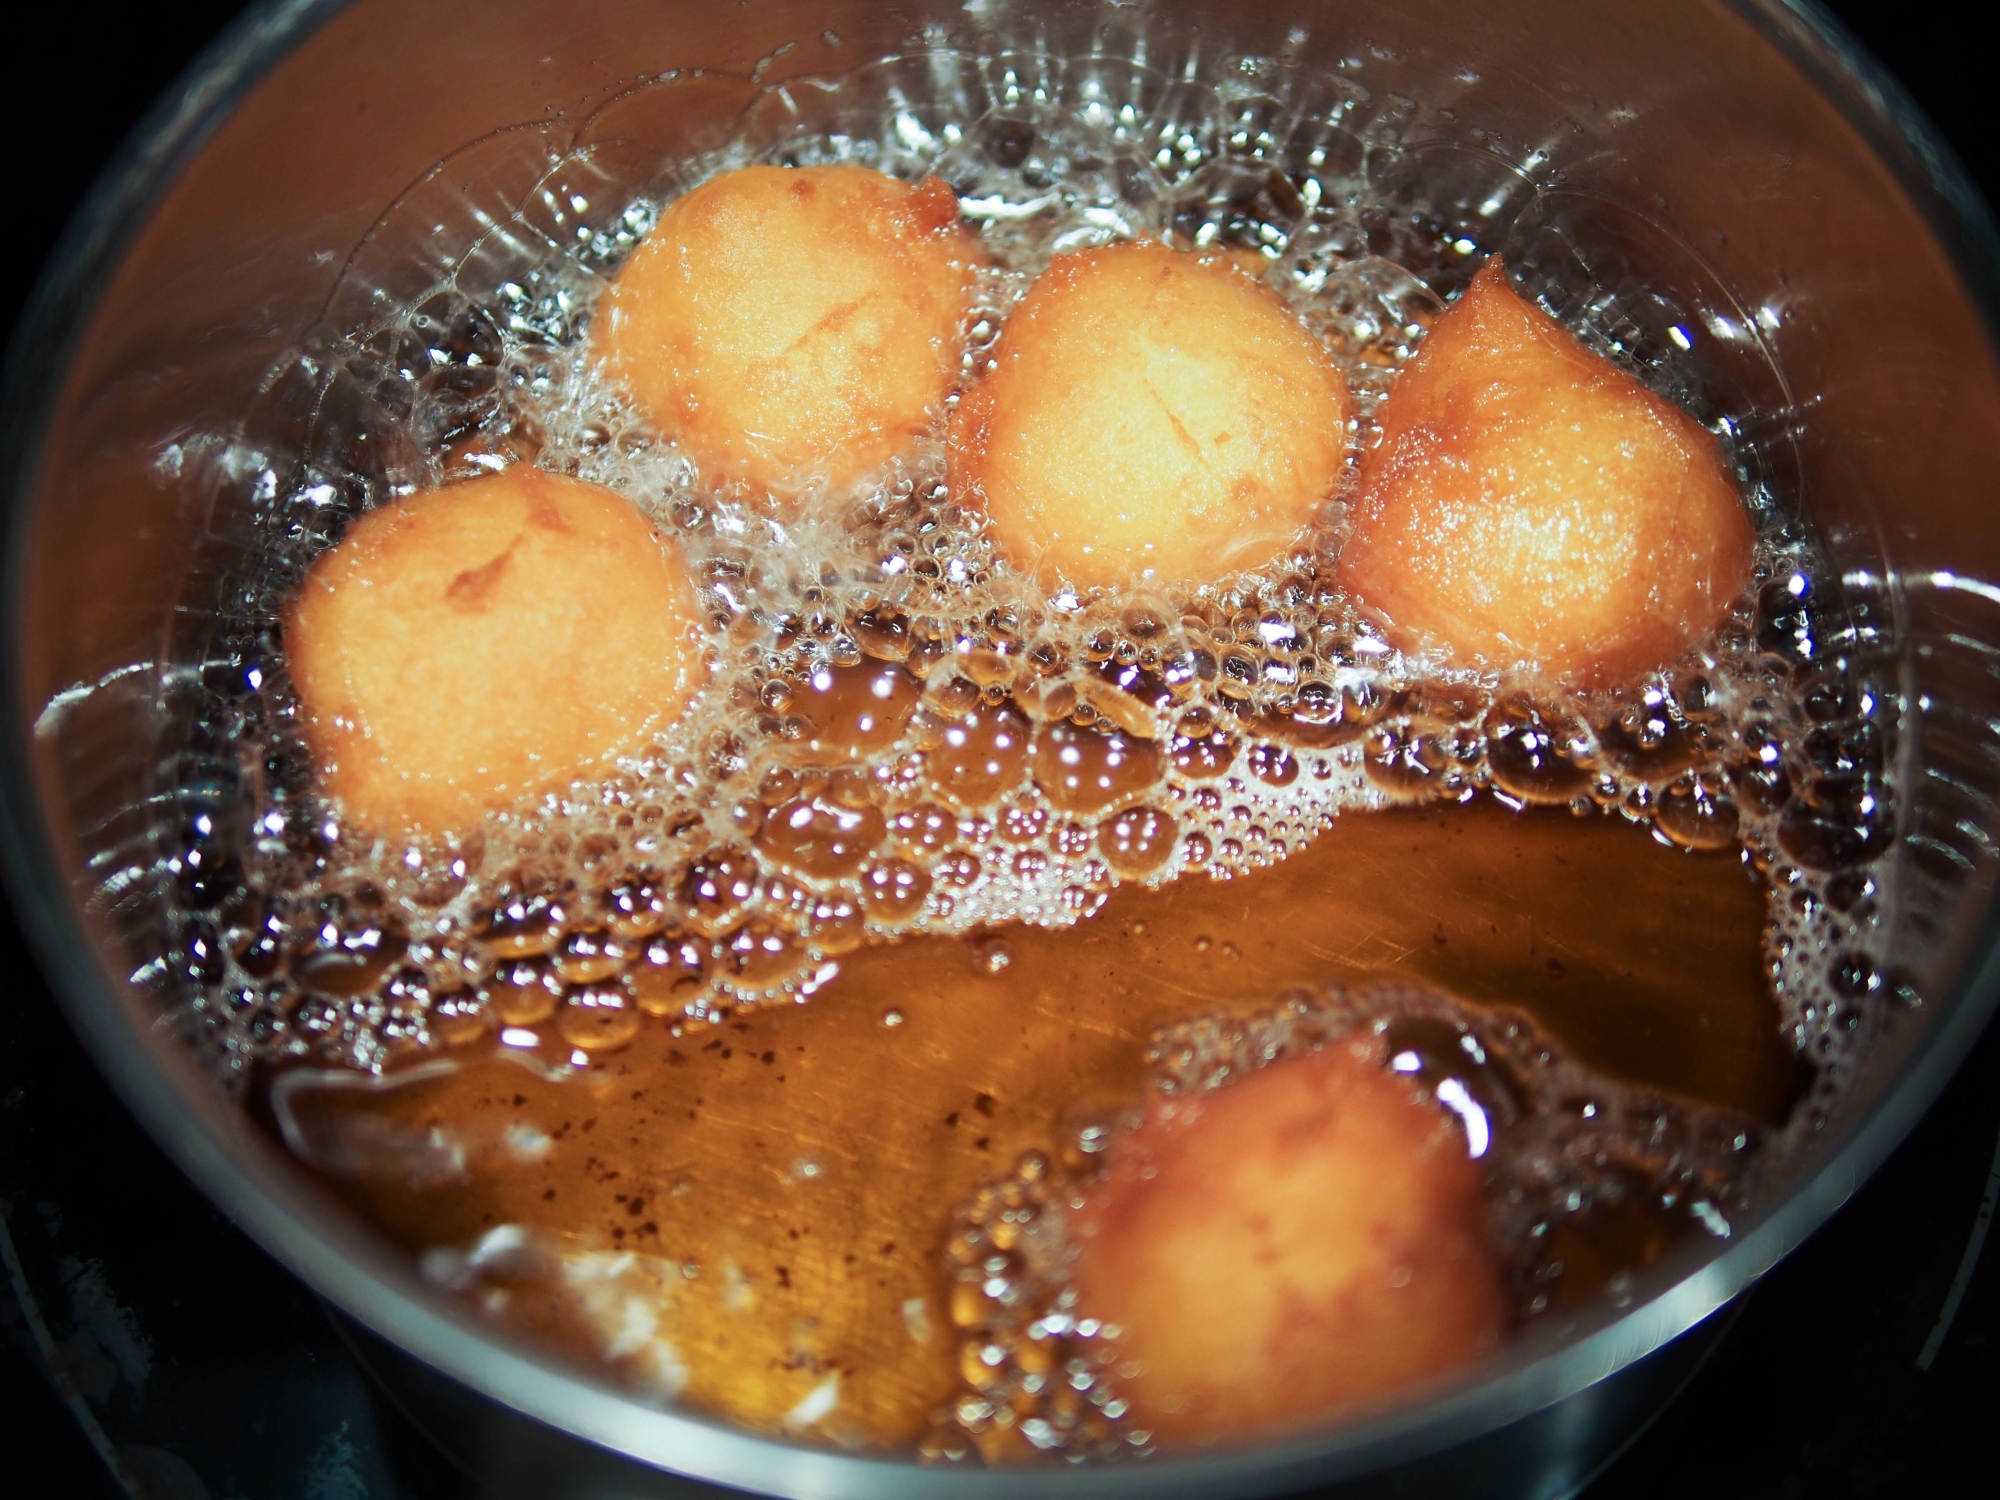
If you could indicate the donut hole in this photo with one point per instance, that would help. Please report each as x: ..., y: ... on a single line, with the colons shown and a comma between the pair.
x: 1154, y: 416
x: 1531, y: 505
x: 1304, y: 1239
x: 467, y: 647
x: 792, y: 324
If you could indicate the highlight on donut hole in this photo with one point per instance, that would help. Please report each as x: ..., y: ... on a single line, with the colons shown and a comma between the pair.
x: 1039, y: 759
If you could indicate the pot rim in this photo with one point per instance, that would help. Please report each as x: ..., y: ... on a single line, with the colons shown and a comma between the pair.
x: 267, y: 1197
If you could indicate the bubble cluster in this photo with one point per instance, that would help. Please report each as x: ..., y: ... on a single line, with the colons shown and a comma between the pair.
x: 903, y: 734
x: 1582, y: 1174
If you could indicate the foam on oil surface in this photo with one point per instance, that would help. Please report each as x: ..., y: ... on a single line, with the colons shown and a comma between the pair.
x: 902, y: 734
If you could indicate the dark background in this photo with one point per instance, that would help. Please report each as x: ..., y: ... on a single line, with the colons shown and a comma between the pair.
x: 1814, y: 1393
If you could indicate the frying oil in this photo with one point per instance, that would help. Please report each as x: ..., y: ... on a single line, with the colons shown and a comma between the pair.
x: 622, y: 1063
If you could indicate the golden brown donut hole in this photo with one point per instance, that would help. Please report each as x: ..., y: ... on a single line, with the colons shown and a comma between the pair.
x: 1154, y: 416
x: 467, y: 647
x: 1531, y: 503
x: 784, y: 324
x: 1303, y: 1239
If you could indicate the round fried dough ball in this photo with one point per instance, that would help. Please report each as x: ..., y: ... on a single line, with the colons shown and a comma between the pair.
x: 1532, y: 503
x: 1303, y: 1239
x: 1154, y: 415
x: 786, y: 323
x: 469, y: 646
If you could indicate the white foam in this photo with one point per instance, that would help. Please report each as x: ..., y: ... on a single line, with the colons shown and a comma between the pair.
x: 789, y: 592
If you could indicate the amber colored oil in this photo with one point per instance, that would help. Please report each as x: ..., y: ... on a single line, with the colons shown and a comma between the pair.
x: 800, y: 1163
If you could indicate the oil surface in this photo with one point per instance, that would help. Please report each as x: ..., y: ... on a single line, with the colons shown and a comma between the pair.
x: 792, y: 1163
x: 689, y: 1070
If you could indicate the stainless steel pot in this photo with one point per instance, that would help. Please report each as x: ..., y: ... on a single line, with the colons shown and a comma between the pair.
x: 1767, y: 159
